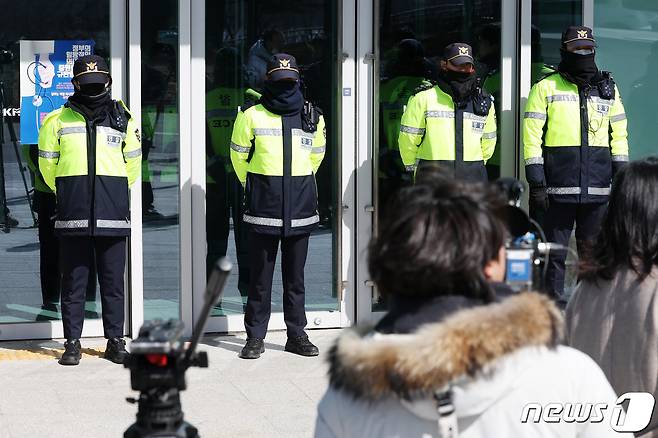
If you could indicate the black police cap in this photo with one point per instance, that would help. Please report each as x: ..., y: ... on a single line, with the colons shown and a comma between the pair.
x: 91, y: 69
x: 282, y: 66
x: 578, y: 37
x: 458, y: 53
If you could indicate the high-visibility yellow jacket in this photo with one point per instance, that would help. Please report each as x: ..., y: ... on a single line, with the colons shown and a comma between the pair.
x: 462, y: 137
x: 393, y: 96
x: 222, y: 105
x: 90, y: 166
x: 31, y: 157
x: 574, y: 139
x: 278, y: 168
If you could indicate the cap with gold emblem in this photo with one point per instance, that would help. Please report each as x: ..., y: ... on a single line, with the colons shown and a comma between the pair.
x: 578, y: 37
x: 458, y: 53
x: 91, y: 69
x: 282, y: 66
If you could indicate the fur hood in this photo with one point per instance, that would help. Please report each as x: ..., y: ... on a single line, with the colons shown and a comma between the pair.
x: 372, y: 366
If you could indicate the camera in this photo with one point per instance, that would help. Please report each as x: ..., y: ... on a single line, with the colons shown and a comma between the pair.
x: 527, y: 250
x: 158, y: 361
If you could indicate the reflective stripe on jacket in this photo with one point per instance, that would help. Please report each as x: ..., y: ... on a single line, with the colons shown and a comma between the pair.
x: 280, y: 192
x: 90, y: 167
x: 573, y: 140
x: 432, y: 129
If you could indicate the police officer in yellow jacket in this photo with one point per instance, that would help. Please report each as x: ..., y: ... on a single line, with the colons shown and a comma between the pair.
x: 451, y: 124
x: 276, y: 149
x: 89, y: 155
x: 575, y: 138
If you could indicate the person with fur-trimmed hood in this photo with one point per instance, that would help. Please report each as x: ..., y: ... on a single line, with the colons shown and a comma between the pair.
x: 450, y: 343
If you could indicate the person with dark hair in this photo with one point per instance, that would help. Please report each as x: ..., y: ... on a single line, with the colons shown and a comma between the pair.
x: 450, y: 343
x: 613, y: 314
x: 575, y: 140
x: 451, y: 122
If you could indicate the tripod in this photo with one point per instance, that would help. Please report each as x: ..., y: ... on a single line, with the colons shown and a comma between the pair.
x: 158, y: 361
x: 4, y: 210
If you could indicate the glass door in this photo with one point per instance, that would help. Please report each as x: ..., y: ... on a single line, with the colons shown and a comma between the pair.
x: 409, y: 37
x: 30, y: 283
x: 238, y: 38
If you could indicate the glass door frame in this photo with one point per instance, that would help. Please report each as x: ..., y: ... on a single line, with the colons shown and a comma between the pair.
x: 193, y: 128
x: 369, y: 56
x: 94, y: 327
x: 524, y: 71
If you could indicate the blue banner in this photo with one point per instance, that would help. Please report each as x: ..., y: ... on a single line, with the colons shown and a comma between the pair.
x: 46, y: 72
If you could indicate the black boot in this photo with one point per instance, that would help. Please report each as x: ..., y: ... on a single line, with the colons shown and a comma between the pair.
x: 252, y: 349
x: 302, y: 346
x: 115, y: 350
x: 72, y: 352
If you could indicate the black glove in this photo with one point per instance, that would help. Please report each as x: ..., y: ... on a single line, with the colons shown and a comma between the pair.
x: 538, y: 199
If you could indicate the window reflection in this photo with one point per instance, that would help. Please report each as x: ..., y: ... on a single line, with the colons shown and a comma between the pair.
x: 627, y: 32
x: 412, y: 35
x: 240, y: 37
x: 160, y: 159
x: 28, y: 265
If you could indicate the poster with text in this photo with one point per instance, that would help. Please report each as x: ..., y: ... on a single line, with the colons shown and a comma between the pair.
x: 45, y: 79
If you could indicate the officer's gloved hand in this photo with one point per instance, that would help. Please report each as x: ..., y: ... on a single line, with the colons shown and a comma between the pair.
x: 538, y: 200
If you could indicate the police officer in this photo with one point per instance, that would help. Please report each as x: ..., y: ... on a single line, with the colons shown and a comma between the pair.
x: 451, y: 123
x: 89, y: 155
x: 286, y: 139
x: 575, y: 139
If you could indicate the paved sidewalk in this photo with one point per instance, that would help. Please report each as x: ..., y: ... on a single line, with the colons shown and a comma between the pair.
x: 274, y: 396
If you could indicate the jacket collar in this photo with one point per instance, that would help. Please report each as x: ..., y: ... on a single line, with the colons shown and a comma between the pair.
x: 372, y: 367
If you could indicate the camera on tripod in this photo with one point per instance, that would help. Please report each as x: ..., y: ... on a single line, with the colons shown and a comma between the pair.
x: 527, y: 250
x: 158, y: 361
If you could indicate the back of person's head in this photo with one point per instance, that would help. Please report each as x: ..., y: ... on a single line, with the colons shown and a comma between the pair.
x: 436, y: 239
x: 629, y: 233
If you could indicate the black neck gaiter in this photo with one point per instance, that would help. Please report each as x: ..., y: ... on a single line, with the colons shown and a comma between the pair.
x: 92, y: 106
x: 579, y: 69
x: 282, y: 97
x: 461, y: 84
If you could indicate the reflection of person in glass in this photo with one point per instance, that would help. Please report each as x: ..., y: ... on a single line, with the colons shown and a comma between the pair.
x: 45, y: 205
x: 89, y: 155
x: 407, y: 73
x: 223, y: 190
x: 451, y: 124
x: 575, y: 139
x: 160, y: 98
x: 260, y: 53
x: 285, y: 136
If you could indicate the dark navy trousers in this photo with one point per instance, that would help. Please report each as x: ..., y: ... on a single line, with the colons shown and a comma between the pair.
x: 558, y: 225
x: 262, y: 258
x: 75, y: 265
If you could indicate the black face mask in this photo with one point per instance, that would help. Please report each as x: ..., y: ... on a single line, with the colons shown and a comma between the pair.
x: 92, y: 100
x: 282, y: 97
x: 579, y: 69
x: 460, y: 83
x: 92, y: 90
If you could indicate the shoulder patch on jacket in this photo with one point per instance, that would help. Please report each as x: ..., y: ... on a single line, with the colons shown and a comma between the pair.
x: 546, y: 75
x: 424, y: 86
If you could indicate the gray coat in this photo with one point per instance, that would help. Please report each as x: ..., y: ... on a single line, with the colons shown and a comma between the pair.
x: 616, y: 324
